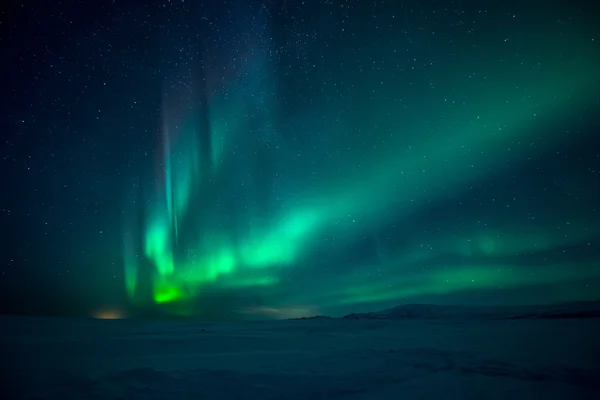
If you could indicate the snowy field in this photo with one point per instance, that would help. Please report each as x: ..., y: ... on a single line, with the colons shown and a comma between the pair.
x: 402, y: 354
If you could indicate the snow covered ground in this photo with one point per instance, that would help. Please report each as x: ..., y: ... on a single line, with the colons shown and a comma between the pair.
x: 444, y: 355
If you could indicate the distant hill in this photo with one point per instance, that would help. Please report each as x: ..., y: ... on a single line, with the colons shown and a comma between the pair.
x: 589, y: 309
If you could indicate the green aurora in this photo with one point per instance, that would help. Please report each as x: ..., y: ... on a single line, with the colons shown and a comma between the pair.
x: 322, y: 196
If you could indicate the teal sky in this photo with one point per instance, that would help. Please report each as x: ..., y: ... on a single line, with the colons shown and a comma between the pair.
x: 290, y: 158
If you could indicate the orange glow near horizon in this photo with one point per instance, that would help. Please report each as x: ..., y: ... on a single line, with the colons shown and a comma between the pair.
x: 109, y: 314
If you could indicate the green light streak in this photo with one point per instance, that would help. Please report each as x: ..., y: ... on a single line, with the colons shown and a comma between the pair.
x: 284, y: 243
x: 131, y: 271
x: 166, y: 292
x: 157, y: 246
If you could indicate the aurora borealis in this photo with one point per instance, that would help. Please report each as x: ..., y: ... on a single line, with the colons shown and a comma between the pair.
x: 290, y: 158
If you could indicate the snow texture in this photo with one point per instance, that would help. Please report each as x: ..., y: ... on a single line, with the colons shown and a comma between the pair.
x: 410, y: 352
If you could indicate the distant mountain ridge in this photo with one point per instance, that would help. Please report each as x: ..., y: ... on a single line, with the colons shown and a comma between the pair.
x: 588, y: 309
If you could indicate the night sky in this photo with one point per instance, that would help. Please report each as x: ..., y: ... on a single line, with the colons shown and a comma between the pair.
x: 247, y: 159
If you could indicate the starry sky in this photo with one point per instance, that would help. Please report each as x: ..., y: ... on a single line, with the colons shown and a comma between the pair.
x: 285, y: 158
